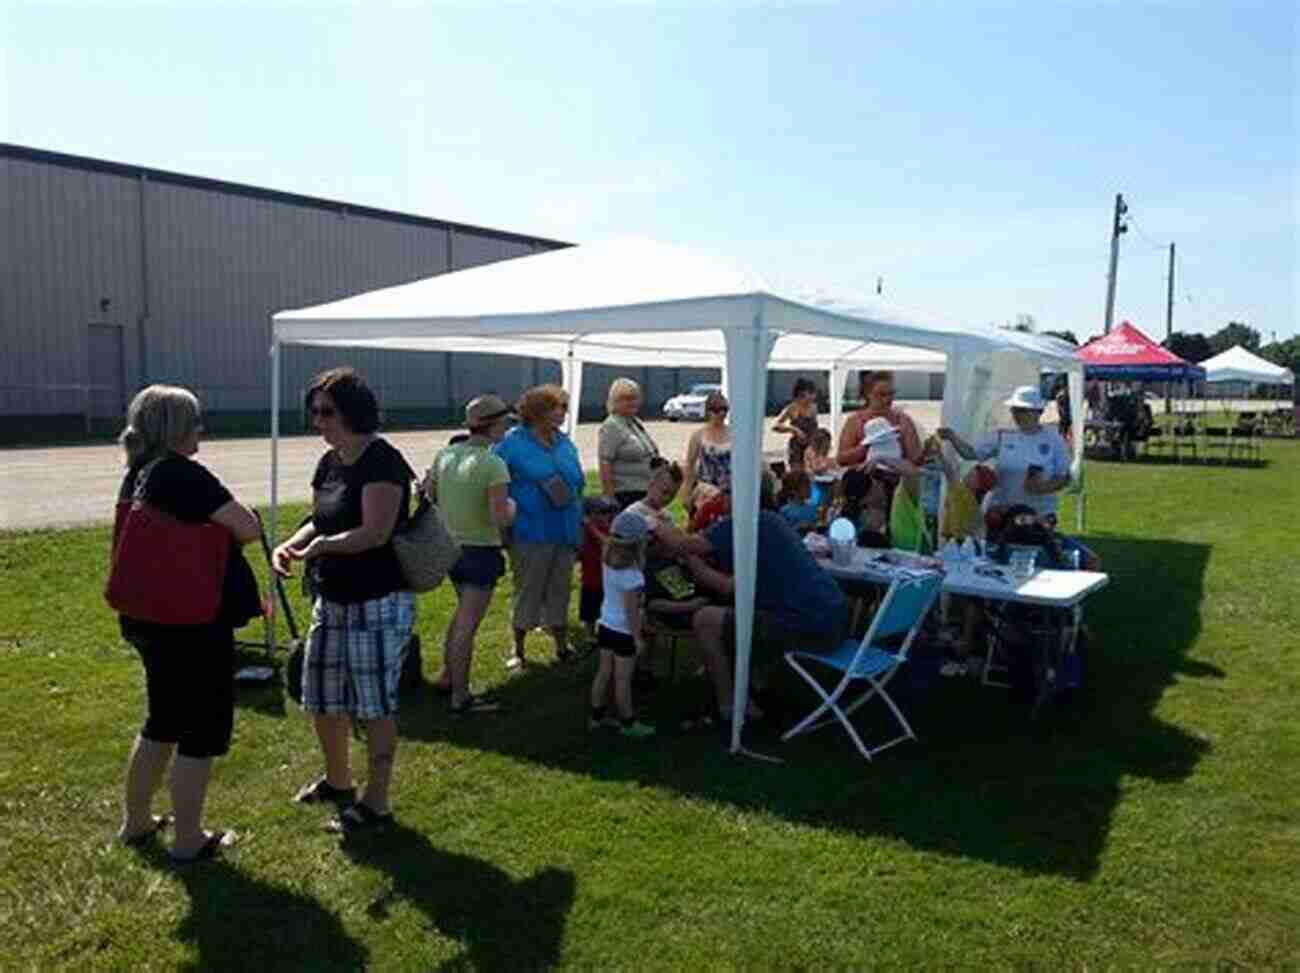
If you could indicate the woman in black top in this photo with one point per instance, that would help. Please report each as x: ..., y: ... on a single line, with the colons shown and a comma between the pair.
x: 363, y: 615
x: 799, y: 419
x: 189, y: 669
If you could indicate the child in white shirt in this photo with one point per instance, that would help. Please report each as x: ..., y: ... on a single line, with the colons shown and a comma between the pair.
x: 618, y: 634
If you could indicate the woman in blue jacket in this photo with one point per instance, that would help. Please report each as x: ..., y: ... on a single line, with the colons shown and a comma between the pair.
x: 546, y: 484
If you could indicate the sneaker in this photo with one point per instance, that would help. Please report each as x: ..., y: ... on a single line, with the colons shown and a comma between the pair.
x: 605, y: 722
x: 482, y: 703
x: 636, y: 730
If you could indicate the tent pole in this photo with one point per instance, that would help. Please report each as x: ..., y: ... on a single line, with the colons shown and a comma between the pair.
x: 571, y: 379
x: 747, y: 353
x: 273, y: 535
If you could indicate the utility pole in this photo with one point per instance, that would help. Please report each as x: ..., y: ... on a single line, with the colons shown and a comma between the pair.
x: 1117, y: 228
x: 1169, y: 301
x: 1169, y: 320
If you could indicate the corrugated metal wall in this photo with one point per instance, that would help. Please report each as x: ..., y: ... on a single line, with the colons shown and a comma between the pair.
x: 216, y: 266
x: 170, y: 278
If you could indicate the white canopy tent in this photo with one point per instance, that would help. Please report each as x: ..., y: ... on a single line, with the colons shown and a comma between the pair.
x: 1239, y: 365
x: 637, y: 302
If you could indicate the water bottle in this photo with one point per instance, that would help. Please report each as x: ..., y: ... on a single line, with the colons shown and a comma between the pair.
x: 1073, y: 559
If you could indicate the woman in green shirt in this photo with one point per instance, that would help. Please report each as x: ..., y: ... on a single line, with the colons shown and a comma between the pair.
x: 470, y: 484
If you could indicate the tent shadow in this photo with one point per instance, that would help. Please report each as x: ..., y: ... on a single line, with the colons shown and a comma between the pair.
x: 239, y: 922
x: 985, y: 781
x: 502, y: 923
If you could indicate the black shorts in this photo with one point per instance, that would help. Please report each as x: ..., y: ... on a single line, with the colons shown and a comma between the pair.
x: 589, y: 604
x: 620, y: 643
x: 190, y: 684
x: 478, y: 567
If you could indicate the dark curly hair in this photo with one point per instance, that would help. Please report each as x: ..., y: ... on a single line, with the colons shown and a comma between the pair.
x: 802, y: 385
x: 357, y: 405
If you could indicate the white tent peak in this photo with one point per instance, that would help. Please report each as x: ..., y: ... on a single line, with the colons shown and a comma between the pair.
x: 1239, y: 365
x: 613, y: 273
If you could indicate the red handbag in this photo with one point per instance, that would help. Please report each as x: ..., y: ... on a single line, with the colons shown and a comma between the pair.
x: 164, y: 570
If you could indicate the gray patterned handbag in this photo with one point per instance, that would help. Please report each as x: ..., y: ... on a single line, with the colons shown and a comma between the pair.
x: 425, y: 548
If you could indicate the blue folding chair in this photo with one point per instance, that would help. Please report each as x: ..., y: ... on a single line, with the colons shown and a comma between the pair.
x: 900, y: 613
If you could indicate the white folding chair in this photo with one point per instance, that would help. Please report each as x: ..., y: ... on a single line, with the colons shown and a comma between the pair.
x: 900, y: 613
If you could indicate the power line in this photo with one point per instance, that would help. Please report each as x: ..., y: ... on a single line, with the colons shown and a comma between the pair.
x: 1146, y: 239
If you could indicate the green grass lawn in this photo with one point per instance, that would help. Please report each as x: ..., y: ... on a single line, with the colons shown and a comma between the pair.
x: 1154, y: 822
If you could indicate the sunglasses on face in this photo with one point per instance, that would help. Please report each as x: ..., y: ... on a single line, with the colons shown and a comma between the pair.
x: 721, y: 410
x: 323, y: 411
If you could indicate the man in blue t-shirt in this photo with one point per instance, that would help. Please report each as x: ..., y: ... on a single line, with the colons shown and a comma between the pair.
x: 796, y: 603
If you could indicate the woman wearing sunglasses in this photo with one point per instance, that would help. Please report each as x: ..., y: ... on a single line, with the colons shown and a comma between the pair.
x: 363, y: 614
x: 708, y: 453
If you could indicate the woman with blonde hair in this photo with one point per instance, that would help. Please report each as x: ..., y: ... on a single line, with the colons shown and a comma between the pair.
x: 189, y: 669
x: 546, y: 482
x: 624, y: 447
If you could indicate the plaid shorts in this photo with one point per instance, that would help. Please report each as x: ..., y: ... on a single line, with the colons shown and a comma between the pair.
x: 354, y: 656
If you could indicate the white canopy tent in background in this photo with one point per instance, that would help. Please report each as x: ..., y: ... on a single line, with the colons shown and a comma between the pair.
x: 1239, y: 365
x: 637, y: 302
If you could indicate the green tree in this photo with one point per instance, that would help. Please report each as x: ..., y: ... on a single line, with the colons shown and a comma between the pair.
x: 1190, y: 347
x: 1236, y: 333
x: 1284, y: 353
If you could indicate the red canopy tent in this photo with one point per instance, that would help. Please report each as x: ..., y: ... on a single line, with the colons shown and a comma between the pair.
x: 1127, y: 355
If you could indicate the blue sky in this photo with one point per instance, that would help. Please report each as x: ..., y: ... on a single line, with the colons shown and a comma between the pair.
x: 969, y: 154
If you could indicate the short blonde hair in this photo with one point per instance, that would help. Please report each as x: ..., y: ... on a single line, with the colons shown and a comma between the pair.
x: 619, y: 388
x: 160, y: 418
x: 538, y: 401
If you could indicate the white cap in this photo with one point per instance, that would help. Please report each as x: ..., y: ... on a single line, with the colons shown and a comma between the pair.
x: 1026, y: 397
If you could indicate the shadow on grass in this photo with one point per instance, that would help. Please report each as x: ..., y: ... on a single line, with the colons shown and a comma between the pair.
x: 503, y: 924
x: 238, y: 922
x: 984, y: 782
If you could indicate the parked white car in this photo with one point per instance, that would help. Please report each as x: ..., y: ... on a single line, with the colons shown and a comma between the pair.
x: 689, y: 405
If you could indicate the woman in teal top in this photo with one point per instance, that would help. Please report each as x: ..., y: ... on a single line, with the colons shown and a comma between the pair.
x: 546, y: 482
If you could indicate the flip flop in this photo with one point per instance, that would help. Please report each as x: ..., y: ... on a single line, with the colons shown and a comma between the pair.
x: 358, y: 817
x: 149, y: 835
x: 207, y: 851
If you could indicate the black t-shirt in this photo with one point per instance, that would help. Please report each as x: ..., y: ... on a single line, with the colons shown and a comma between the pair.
x: 336, y: 507
x: 181, y: 487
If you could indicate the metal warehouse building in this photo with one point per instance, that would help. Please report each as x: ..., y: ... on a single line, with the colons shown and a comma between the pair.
x: 114, y: 276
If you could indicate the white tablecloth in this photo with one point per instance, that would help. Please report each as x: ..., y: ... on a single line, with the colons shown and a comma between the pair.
x: 1055, y: 589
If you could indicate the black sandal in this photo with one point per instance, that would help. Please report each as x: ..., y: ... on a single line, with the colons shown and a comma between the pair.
x: 359, y: 817
x: 322, y: 791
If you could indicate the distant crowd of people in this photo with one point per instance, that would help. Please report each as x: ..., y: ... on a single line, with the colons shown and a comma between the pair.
x: 512, y: 492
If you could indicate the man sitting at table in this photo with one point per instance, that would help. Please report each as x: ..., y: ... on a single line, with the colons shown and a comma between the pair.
x: 796, y: 603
